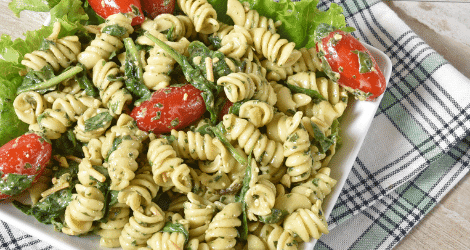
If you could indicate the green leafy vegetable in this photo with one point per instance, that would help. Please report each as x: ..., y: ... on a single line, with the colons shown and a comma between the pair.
x: 176, y: 228
x: 52, y: 81
x: 14, y: 184
x: 316, y: 96
x: 34, y: 78
x: 322, y: 142
x: 219, y: 66
x: 114, y: 30
x: 134, y: 72
x: 220, y: 132
x: 98, y: 121
x: 67, y: 144
x: 276, y: 216
x: 85, y: 83
x: 33, y: 5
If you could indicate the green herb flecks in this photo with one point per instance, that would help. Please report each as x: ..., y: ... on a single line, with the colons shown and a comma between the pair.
x: 365, y: 62
x: 276, y: 216
x: 114, y: 30
x: 176, y: 228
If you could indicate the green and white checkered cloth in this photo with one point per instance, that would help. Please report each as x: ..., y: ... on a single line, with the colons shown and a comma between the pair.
x: 417, y: 148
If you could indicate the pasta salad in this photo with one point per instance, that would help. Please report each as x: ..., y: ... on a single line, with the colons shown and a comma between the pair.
x: 182, y: 132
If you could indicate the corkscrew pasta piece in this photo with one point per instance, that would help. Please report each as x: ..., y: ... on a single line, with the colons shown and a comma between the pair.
x: 104, y: 44
x: 168, y: 169
x: 257, y: 112
x: 144, y: 223
x: 197, y: 146
x: 59, y: 53
x: 113, y: 94
x: 87, y: 204
x: 64, y: 112
x: 260, y: 198
x: 198, y: 212
x: 175, y: 27
x: 160, y: 64
x: 277, y: 238
x: 243, y: 16
x: 110, y: 231
x: 28, y: 106
x: 196, y: 244
x: 237, y: 43
x: 166, y: 241
x: 222, y: 231
x: 287, y: 102
x: 202, y: 14
x: 265, y: 151
x: 274, y: 48
x: 141, y: 190
x: 252, y: 66
x: 237, y: 86
x: 331, y: 91
x: 281, y: 126
x: 307, y: 223
x: 92, y: 124
x: 318, y: 186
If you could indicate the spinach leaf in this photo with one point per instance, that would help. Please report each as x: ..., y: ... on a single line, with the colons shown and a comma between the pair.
x: 176, y: 228
x: 98, y: 121
x: 114, y: 30
x: 314, y: 94
x: 34, y: 78
x: 219, y: 66
x: 276, y: 216
x: 322, y: 142
x: 67, y: 144
x: 134, y: 72
x: 39, y: 85
x: 85, y: 82
x: 50, y: 209
x: 13, y: 184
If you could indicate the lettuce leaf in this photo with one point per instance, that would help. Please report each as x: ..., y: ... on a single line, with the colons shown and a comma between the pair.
x: 299, y: 19
x: 33, y: 5
x: 70, y: 14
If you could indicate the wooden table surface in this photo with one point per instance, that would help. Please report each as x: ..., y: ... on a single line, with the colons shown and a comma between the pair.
x: 447, y: 226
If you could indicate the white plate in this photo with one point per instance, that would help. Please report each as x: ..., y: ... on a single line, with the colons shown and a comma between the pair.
x: 355, y: 124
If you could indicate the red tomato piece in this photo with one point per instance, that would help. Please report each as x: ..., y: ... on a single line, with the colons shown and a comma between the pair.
x: 225, y: 108
x: 153, y: 8
x: 22, y: 161
x: 348, y: 62
x: 170, y: 108
x: 105, y: 8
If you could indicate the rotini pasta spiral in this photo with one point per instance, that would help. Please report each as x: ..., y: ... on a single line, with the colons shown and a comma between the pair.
x: 166, y: 241
x: 307, y: 223
x: 64, y: 112
x: 141, y: 190
x: 28, y: 106
x: 141, y: 226
x: 237, y: 43
x: 175, y: 27
x: 160, y: 64
x: 265, y: 151
x: 113, y: 94
x: 196, y: 244
x: 202, y: 14
x: 84, y: 132
x: 277, y: 238
x: 237, y: 86
x: 273, y: 48
x: 104, y: 44
x: 281, y: 126
x: 60, y: 53
x: 110, y: 231
x: 260, y: 198
x: 168, y: 169
x: 198, y: 213
x: 222, y: 230
x: 288, y: 103
x: 317, y: 187
x: 88, y: 203
x: 190, y: 145
x: 243, y: 16
x: 331, y: 91
x: 257, y: 112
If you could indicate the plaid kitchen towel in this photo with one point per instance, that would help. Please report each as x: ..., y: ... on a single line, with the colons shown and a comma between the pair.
x: 418, y: 136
